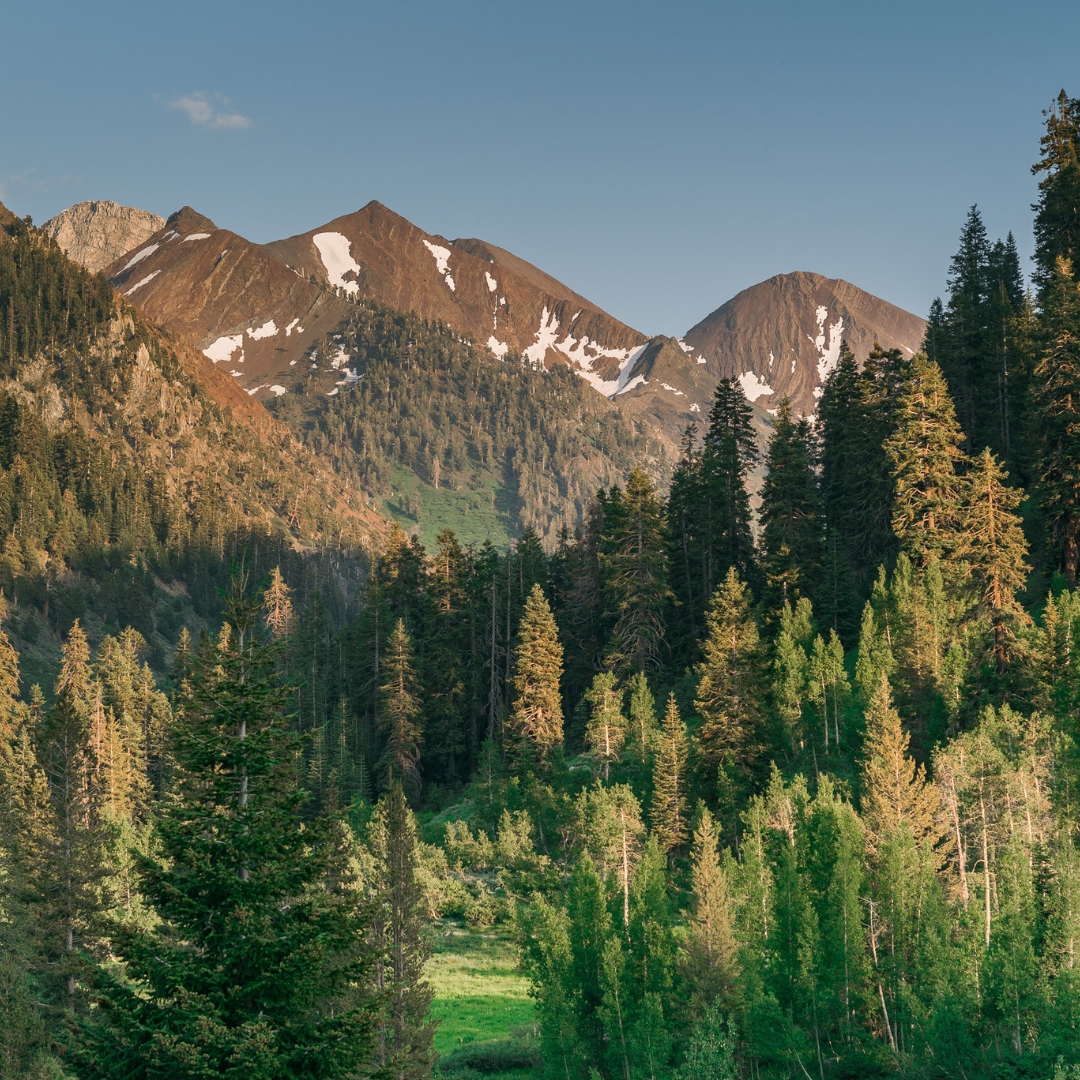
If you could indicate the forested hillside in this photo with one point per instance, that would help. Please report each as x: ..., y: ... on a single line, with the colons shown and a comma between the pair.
x: 793, y: 796
x: 439, y: 430
x: 133, y: 473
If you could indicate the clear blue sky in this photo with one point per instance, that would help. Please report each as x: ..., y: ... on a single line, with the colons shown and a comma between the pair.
x: 657, y: 157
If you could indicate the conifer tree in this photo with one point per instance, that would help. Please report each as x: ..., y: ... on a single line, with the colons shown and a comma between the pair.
x: 1057, y: 219
x: 710, y: 963
x: 535, y: 724
x: 398, y: 942
x: 605, y: 733
x: 924, y: 449
x: 669, y: 798
x: 729, y: 682
x: 895, y: 792
x: 729, y: 452
x: 791, y: 517
x: 633, y: 561
x: 791, y: 670
x: 642, y: 727
x: 993, y: 548
x: 252, y: 966
x: 1056, y: 420
x: 399, y: 713
x: 277, y: 606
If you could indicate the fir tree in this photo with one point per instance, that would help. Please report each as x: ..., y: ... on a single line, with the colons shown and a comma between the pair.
x: 399, y: 712
x: 535, y: 724
x: 993, y: 548
x: 924, y: 449
x: 605, y: 733
x: 398, y: 941
x: 710, y: 963
x: 642, y: 728
x: 669, y: 799
x: 634, y: 566
x: 1057, y: 218
x: 251, y: 967
x: 729, y: 692
x: 791, y: 516
x: 895, y: 793
x: 1057, y: 419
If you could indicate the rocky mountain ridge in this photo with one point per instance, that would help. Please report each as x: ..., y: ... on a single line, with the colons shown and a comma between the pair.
x: 95, y: 233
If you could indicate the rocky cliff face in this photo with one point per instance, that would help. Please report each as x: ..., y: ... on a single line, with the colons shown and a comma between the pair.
x: 781, y: 338
x: 93, y: 234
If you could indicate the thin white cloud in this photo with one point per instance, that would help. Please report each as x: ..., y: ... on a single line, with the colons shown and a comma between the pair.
x: 202, y: 111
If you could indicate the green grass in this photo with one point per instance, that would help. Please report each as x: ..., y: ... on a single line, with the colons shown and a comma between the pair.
x: 476, y: 511
x: 479, y: 994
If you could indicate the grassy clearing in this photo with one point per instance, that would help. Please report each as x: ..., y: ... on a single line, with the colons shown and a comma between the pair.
x: 479, y: 994
x: 475, y: 513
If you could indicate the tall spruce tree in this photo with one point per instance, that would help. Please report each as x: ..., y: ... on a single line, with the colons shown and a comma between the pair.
x: 633, y: 562
x: 993, y: 549
x: 398, y: 942
x: 605, y: 733
x: 924, y: 450
x: 535, y: 724
x: 791, y: 516
x: 668, y: 811
x: 729, y: 688
x: 1057, y: 419
x: 399, y: 713
x: 1057, y: 213
x: 253, y: 967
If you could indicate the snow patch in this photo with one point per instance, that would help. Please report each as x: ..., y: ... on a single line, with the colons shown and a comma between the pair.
x: 695, y: 407
x: 441, y: 256
x: 140, y: 284
x: 499, y: 348
x: 254, y: 390
x: 332, y: 393
x: 195, y: 236
x: 277, y: 391
x: 828, y: 354
x: 545, y: 338
x: 169, y: 237
x: 290, y: 327
x: 637, y: 380
x: 139, y: 256
x: 685, y: 348
x: 339, y: 359
x: 268, y: 329
x: 492, y: 284
x: 677, y: 393
x: 224, y: 347
x: 752, y: 386
x: 335, y: 250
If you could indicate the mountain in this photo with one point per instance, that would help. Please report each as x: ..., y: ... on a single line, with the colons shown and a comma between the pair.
x: 295, y: 322
x: 781, y: 338
x: 93, y: 234
x: 133, y: 471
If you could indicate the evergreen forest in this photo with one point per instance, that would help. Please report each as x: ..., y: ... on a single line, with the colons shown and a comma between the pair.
x: 753, y: 791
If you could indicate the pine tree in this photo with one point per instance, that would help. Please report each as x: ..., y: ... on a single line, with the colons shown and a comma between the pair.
x: 729, y: 682
x: 535, y: 724
x: 642, y: 728
x: 895, y: 792
x: 791, y: 514
x: 924, y: 449
x: 1057, y: 218
x: 729, y: 453
x: 711, y: 962
x: 633, y: 561
x: 1056, y: 419
x: 669, y: 800
x: 993, y: 548
x: 251, y: 967
x: 277, y: 606
x: 605, y: 733
x: 398, y: 941
x: 399, y: 712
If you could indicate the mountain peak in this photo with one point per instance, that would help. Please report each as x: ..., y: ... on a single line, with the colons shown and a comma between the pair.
x: 187, y: 220
x: 95, y: 232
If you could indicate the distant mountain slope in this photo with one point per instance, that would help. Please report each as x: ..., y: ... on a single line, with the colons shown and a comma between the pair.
x: 503, y: 302
x: 93, y: 234
x: 781, y: 338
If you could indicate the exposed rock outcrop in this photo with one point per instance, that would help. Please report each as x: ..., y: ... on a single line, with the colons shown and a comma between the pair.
x: 95, y: 233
